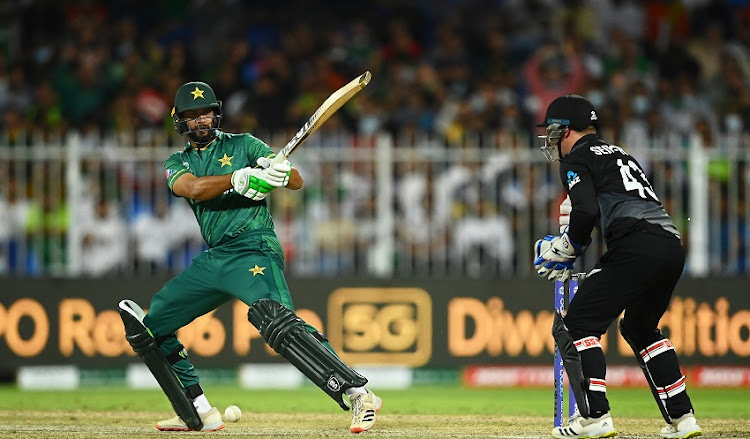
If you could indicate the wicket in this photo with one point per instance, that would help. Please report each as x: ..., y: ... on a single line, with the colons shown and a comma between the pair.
x: 559, y: 371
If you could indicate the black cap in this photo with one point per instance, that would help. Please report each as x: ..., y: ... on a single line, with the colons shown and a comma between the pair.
x: 573, y: 111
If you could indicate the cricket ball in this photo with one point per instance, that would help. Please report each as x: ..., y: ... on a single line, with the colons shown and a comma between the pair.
x: 232, y: 414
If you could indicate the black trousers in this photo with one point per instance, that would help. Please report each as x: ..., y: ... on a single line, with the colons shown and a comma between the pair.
x: 637, y: 274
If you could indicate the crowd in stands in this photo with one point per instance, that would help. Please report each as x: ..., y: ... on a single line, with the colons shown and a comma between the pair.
x: 443, y: 66
x: 657, y: 70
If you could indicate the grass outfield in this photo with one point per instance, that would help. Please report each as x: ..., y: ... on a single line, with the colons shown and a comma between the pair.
x: 422, y: 412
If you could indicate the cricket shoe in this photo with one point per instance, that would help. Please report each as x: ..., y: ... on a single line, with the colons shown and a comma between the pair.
x: 683, y: 427
x: 211, y: 422
x: 364, y: 409
x: 586, y: 428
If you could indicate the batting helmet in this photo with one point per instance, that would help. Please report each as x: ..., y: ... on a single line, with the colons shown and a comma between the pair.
x: 194, y: 95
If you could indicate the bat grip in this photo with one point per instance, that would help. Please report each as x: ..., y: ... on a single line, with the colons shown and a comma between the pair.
x: 278, y: 158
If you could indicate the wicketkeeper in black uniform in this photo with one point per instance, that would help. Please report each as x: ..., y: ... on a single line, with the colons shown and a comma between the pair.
x: 638, y: 273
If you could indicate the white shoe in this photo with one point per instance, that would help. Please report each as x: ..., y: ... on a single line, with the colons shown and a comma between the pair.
x: 683, y: 427
x: 586, y: 428
x: 364, y: 409
x: 211, y: 422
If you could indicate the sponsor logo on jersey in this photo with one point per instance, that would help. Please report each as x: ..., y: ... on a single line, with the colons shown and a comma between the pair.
x: 573, y: 178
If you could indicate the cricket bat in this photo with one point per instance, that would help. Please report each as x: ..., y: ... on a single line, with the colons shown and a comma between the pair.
x: 325, y: 111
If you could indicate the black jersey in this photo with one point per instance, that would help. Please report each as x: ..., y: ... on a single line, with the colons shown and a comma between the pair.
x: 609, y: 190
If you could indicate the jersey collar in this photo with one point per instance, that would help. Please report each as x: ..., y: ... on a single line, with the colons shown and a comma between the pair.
x: 588, y: 139
x: 189, y: 145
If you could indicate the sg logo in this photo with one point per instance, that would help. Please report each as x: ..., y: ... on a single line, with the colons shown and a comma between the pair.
x: 381, y: 325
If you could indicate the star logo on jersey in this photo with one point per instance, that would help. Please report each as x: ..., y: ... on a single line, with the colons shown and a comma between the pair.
x: 257, y: 270
x: 225, y: 160
x: 197, y: 93
x: 573, y: 178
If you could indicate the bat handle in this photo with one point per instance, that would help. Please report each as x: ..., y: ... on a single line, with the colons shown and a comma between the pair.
x: 278, y: 158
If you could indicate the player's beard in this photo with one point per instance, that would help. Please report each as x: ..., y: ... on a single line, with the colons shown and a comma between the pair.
x: 202, y: 137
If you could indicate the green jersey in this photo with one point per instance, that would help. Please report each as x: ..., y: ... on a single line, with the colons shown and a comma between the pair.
x: 226, y: 216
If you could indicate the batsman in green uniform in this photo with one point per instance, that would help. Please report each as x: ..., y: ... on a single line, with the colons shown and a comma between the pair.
x: 225, y: 178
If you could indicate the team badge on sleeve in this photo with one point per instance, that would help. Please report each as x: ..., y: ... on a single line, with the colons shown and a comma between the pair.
x: 573, y: 178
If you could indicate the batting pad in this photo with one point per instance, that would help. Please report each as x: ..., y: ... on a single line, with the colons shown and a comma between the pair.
x: 287, y: 334
x: 144, y: 344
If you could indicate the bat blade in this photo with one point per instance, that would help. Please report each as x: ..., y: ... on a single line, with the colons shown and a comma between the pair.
x: 335, y: 101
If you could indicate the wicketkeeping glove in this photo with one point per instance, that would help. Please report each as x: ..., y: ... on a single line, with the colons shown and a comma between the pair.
x: 556, y: 256
x: 565, y: 209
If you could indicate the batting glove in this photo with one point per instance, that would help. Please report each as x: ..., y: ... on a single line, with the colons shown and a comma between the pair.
x: 277, y: 173
x: 252, y: 183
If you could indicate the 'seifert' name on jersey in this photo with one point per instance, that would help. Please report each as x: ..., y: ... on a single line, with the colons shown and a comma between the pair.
x: 606, y: 149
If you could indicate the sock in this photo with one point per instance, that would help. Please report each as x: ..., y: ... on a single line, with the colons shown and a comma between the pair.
x: 352, y: 390
x: 201, y: 404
